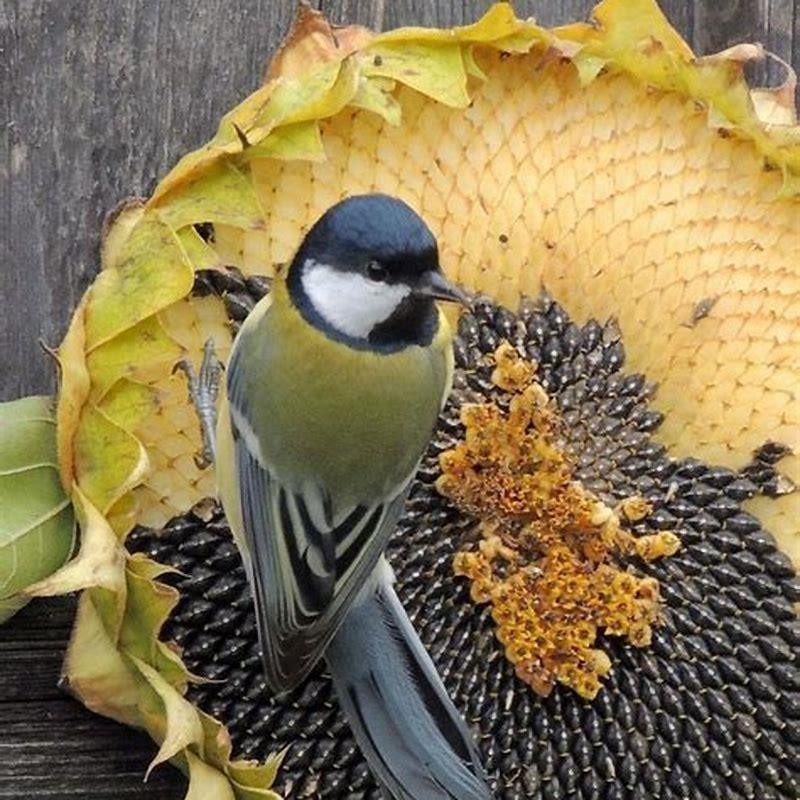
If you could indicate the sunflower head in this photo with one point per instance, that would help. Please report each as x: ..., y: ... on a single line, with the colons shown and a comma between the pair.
x: 643, y: 186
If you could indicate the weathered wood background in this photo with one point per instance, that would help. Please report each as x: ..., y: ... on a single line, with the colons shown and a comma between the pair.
x: 98, y: 99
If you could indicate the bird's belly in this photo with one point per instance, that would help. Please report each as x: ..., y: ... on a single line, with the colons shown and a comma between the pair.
x: 356, y: 429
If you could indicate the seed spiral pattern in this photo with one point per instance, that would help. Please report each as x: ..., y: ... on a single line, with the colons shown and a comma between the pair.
x: 710, y: 710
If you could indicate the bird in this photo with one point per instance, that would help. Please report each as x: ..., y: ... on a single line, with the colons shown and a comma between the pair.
x: 332, y: 392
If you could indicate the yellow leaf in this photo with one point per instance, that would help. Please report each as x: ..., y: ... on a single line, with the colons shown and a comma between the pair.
x: 588, y: 67
x: 375, y: 94
x: 220, y: 194
x: 499, y: 23
x: 100, y: 561
x: 628, y: 25
x: 183, y: 726
x: 152, y: 272
x: 128, y: 403
x: 434, y: 69
x: 251, y: 792
x: 123, y: 515
x: 143, y: 352
x: 200, y: 255
x: 73, y: 391
x: 471, y: 65
x: 116, y: 229
x: 205, y: 782
x: 109, y: 461
x: 95, y: 670
x: 253, y: 780
x: 498, y: 27
x: 149, y: 604
x: 296, y: 141
x: 311, y: 41
x: 317, y: 96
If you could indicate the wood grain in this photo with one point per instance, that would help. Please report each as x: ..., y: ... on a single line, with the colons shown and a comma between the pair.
x: 51, y: 747
x: 98, y: 100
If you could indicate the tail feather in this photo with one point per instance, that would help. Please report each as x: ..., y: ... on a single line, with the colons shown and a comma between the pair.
x: 414, y: 739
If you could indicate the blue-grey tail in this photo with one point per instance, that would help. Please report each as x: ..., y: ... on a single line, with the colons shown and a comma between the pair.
x: 416, y: 743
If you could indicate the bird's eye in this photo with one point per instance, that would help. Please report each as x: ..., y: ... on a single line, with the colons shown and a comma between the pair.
x: 376, y: 271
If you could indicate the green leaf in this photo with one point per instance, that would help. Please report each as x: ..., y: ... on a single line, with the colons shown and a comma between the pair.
x: 37, y: 526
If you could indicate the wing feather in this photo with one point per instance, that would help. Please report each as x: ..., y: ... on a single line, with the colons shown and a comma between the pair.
x: 304, y: 573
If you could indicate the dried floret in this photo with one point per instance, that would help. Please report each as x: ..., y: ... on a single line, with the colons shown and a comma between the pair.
x: 511, y: 372
x: 547, y: 560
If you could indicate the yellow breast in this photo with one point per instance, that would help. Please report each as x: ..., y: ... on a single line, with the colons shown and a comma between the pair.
x: 355, y: 422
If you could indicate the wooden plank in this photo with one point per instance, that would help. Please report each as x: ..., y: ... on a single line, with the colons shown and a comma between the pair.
x: 769, y: 22
x: 720, y: 25
x: 51, y: 747
x: 795, y: 44
x: 778, y: 32
x: 56, y: 749
x: 380, y: 14
x: 370, y: 13
x: 101, y: 99
x: 32, y: 645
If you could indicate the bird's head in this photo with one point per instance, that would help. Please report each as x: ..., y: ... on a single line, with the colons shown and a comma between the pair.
x: 367, y: 274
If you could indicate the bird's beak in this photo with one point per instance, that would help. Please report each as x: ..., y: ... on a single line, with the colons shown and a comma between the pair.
x: 434, y: 284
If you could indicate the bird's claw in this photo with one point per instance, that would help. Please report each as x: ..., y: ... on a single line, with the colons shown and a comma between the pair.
x: 203, y: 392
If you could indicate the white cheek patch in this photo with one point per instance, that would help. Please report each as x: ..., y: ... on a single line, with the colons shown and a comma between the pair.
x: 350, y: 303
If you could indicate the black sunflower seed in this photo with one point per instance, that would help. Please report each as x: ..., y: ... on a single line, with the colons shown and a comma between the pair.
x: 710, y: 710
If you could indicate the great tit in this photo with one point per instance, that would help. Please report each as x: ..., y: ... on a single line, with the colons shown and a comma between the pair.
x: 334, y: 385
